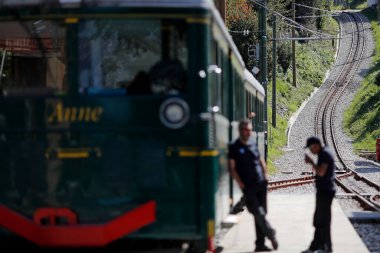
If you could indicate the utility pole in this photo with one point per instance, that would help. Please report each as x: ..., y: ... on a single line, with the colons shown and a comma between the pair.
x: 263, y: 66
x: 274, y: 72
x: 294, y: 46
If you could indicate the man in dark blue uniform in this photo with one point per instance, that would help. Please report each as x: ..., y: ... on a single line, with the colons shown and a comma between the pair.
x: 250, y: 172
x: 325, y: 184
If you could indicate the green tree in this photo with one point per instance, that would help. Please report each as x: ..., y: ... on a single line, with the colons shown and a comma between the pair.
x: 240, y: 17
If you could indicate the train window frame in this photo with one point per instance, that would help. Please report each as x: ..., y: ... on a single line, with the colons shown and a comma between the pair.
x: 220, y: 80
x: 217, y: 84
x: 258, y: 114
x: 158, y: 77
x: 212, y: 86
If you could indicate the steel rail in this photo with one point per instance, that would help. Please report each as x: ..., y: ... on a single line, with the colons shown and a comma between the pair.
x: 321, y: 109
x: 278, y: 184
x: 273, y: 185
x: 334, y: 95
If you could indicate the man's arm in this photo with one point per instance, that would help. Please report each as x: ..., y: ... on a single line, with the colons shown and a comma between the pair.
x: 265, y: 168
x: 320, y: 170
x: 232, y: 166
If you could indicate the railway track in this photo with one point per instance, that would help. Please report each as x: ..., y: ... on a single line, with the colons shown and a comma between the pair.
x: 273, y: 185
x: 324, y: 123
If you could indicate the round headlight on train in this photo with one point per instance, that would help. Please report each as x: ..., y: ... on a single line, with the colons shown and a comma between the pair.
x: 174, y: 113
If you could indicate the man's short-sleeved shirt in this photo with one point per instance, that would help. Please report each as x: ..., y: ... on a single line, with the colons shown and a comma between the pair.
x: 327, y: 182
x: 247, y: 160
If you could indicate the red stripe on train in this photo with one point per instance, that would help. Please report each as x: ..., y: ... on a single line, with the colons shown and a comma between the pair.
x: 78, y: 235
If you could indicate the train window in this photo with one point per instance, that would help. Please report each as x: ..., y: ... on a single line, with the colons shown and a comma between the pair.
x: 257, y: 118
x: 225, y: 84
x: 248, y: 105
x: 213, y: 78
x: 238, y: 97
x: 252, y: 106
x: 218, y: 86
x: 242, y: 98
x: 220, y: 81
x: 132, y: 56
x: 33, y: 60
x: 261, y: 116
x: 236, y: 104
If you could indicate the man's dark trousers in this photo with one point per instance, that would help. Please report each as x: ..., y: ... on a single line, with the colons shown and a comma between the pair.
x: 256, y: 202
x: 322, y: 222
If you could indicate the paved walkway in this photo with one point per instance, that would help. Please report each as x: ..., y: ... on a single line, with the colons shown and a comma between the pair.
x: 291, y: 216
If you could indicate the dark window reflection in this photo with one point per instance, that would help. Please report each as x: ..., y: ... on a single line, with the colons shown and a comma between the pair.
x: 132, y: 56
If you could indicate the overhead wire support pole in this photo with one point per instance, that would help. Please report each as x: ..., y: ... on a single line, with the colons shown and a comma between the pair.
x: 263, y: 66
x: 294, y: 67
x: 274, y: 72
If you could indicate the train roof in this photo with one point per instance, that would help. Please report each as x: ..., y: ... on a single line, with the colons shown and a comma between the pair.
x: 206, y: 4
x: 253, y: 81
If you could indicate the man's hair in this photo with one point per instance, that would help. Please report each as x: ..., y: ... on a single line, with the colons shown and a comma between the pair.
x: 313, y: 140
x: 244, y: 122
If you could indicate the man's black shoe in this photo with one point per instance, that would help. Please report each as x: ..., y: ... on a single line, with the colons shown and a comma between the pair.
x: 262, y: 249
x: 239, y: 207
x: 274, y: 243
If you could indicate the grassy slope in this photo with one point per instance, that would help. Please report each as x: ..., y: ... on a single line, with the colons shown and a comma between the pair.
x: 362, y: 118
x: 313, y: 60
x: 354, y: 4
x: 358, y: 4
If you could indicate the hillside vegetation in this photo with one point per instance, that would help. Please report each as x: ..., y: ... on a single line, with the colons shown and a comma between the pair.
x: 362, y: 118
x: 314, y: 58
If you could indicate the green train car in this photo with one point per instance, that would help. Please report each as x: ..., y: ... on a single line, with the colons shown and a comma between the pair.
x: 115, y: 118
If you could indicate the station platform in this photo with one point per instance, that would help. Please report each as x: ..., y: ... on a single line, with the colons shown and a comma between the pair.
x: 291, y: 215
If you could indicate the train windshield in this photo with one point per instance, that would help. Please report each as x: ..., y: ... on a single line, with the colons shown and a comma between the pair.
x: 32, y: 57
x: 132, y: 56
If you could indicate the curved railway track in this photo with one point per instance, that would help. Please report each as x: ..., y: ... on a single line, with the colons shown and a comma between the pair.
x: 324, y: 120
x: 326, y: 110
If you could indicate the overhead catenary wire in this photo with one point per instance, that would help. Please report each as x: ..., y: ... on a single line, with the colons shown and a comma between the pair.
x: 303, y: 38
x: 318, y: 16
x: 314, y: 8
x: 294, y: 23
x: 320, y: 30
x: 247, y: 31
x: 308, y: 29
